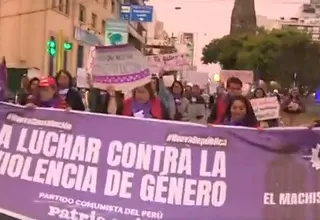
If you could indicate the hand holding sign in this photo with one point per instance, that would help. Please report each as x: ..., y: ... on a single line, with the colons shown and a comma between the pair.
x: 123, y: 67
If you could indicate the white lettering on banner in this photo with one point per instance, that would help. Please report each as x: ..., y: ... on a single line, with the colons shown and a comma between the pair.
x: 59, y: 145
x: 38, y: 122
x: 51, y: 145
x: 5, y: 136
x: 218, y: 168
x: 118, y: 183
x: 63, y: 213
x: 208, y: 141
x: 49, y: 172
x: 296, y: 198
x: 181, y: 191
x: 166, y: 160
x: 138, y: 156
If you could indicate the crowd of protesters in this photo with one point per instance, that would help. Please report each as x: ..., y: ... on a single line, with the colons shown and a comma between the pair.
x: 180, y: 102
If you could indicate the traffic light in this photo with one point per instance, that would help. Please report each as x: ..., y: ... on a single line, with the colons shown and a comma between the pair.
x: 52, y: 47
x: 67, y: 45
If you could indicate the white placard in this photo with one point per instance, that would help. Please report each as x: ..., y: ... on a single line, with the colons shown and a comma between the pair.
x: 122, y: 67
x: 82, y: 78
x: 266, y: 108
x: 34, y: 73
x: 196, y: 78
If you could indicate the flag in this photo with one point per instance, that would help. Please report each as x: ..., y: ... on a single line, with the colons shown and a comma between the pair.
x: 3, y: 79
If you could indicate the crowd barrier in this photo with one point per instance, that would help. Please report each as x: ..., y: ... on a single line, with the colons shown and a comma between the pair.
x: 69, y: 165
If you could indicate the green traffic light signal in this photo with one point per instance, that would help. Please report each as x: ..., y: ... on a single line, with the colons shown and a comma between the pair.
x: 67, y: 46
x: 52, y: 47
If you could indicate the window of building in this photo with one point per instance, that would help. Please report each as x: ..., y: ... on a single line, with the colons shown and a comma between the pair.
x: 54, y: 4
x: 105, y: 3
x: 316, y: 29
x: 60, y: 6
x: 80, y: 58
x: 103, y: 27
x: 67, y: 7
x: 51, y: 63
x: 82, y: 13
x: 93, y: 20
x: 113, y: 6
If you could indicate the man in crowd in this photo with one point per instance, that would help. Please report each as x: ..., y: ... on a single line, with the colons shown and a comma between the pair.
x: 234, y: 87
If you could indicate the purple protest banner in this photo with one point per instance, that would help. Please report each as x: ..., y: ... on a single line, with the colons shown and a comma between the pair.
x: 67, y: 165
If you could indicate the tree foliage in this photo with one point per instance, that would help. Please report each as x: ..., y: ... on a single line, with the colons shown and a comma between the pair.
x: 277, y: 55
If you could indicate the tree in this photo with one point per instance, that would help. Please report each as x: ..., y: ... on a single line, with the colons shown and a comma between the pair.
x: 278, y: 55
x: 243, y: 17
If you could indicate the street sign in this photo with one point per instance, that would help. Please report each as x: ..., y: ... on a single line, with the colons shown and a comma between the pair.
x: 125, y: 12
x: 116, y: 32
x: 142, y: 13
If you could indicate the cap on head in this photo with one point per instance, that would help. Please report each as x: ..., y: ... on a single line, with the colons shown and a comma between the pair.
x: 47, y: 82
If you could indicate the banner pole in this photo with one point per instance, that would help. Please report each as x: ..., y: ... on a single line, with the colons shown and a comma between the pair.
x: 60, y: 51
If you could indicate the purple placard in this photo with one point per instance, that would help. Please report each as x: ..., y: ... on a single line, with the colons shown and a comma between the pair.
x: 53, y: 165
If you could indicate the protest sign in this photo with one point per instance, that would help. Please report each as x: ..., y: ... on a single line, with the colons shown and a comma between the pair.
x: 266, y: 108
x: 53, y: 165
x: 34, y: 73
x: 82, y: 78
x: 246, y: 76
x: 168, y: 62
x: 122, y: 67
x: 196, y: 78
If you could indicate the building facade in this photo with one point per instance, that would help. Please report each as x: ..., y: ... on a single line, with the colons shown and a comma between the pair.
x: 26, y: 26
x: 267, y: 23
x: 308, y: 25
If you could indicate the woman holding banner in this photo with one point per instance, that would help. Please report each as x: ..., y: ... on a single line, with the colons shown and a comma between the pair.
x: 144, y: 104
x: 259, y: 93
x: 66, y: 91
x: 240, y: 113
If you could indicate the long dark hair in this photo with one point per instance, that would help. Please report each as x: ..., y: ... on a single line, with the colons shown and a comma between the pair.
x: 259, y: 89
x: 249, y: 119
x: 180, y: 84
x: 157, y: 83
x: 68, y: 74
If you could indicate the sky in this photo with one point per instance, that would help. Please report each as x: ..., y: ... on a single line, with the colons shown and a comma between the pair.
x: 210, y: 19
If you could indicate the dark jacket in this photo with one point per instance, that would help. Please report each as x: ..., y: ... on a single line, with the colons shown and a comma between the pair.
x: 98, y: 101
x: 218, y: 110
x: 74, y: 100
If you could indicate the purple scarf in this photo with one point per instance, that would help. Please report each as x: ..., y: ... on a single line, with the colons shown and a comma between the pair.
x: 144, y: 107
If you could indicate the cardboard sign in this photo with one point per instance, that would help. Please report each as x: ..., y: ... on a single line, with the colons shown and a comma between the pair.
x: 123, y: 67
x: 246, y: 76
x: 266, y: 108
x: 82, y: 78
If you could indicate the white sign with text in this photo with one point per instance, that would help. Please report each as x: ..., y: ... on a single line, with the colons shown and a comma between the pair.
x: 266, y: 108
